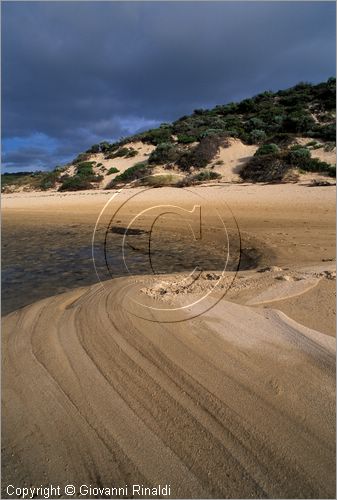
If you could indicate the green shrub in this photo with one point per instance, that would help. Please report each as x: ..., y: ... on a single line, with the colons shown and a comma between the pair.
x: 257, y: 136
x: 265, y: 168
x: 157, y: 135
x: 85, y: 169
x: 316, y: 165
x: 266, y: 149
x: 112, y: 170
x: 95, y: 148
x: 298, y: 156
x: 329, y: 146
x: 206, y: 175
x: 75, y: 184
x: 186, y: 139
x: 130, y: 174
x: 48, y: 180
x: 212, y: 132
x: 119, y: 153
x: 202, y: 154
x: 81, y: 157
x: 166, y: 152
x: 132, y: 153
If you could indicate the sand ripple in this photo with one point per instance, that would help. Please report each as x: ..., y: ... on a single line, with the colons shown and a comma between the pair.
x: 235, y: 403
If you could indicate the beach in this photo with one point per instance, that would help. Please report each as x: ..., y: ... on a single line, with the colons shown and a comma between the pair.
x: 234, y: 399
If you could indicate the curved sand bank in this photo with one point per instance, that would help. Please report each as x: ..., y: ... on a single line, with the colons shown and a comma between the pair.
x: 236, y: 403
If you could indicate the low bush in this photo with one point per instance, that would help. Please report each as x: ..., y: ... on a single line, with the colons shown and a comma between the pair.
x: 130, y: 174
x: 265, y: 168
x: 112, y: 170
x: 329, y: 146
x: 206, y: 175
x: 157, y: 135
x: 75, y: 183
x: 186, y: 139
x: 49, y: 180
x: 95, y: 148
x: 119, y: 153
x: 318, y: 166
x: 166, y: 152
x: 267, y: 149
x: 85, y: 169
x: 202, y: 154
x: 81, y: 157
x: 257, y: 136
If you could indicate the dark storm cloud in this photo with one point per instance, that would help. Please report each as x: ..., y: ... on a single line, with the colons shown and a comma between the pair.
x: 82, y: 72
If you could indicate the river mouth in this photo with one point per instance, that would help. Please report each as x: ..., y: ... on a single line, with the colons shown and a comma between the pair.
x: 39, y: 262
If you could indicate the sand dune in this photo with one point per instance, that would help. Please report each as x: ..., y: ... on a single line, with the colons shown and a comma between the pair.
x: 236, y: 403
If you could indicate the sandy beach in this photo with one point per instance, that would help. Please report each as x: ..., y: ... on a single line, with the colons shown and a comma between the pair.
x: 236, y: 402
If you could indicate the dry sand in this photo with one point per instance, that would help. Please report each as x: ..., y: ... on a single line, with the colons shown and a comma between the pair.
x: 238, y: 402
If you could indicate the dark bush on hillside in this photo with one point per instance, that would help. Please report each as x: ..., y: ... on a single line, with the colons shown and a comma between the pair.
x: 85, y: 169
x: 316, y: 165
x: 257, y: 136
x: 48, y: 180
x: 157, y: 135
x: 132, y: 153
x: 186, y: 139
x: 119, y: 153
x: 113, y: 170
x: 81, y: 157
x: 266, y: 149
x: 75, y: 184
x: 206, y: 175
x: 95, y: 148
x: 202, y: 154
x: 281, y: 139
x: 327, y: 132
x: 166, y: 152
x: 135, y: 172
x: 265, y: 168
x: 211, y: 132
x: 298, y: 156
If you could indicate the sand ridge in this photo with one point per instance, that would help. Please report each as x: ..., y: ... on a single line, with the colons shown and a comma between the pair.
x: 216, y: 407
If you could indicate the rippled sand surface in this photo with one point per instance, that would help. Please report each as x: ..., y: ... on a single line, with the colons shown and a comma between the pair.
x: 230, y: 404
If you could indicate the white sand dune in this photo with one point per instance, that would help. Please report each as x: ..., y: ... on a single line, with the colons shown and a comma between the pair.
x: 232, y: 404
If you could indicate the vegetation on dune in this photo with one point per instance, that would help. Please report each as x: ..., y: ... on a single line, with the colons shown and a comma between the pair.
x: 165, y: 152
x: 113, y: 170
x: 122, y: 152
x: 135, y: 172
x: 203, y: 153
x: 83, y: 179
x: 31, y: 180
x: 276, y: 166
x: 271, y: 120
x: 267, y: 149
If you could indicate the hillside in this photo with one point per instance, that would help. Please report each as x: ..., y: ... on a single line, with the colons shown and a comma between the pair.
x: 287, y: 135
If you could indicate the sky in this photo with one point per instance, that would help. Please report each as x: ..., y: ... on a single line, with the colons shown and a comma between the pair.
x: 78, y: 73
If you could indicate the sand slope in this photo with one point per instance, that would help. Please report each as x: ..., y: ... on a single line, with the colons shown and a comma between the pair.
x: 236, y: 403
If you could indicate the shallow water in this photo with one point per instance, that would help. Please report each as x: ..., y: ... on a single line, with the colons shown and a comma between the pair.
x: 41, y: 261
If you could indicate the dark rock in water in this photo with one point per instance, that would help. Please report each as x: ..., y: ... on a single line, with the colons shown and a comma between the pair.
x: 124, y: 230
